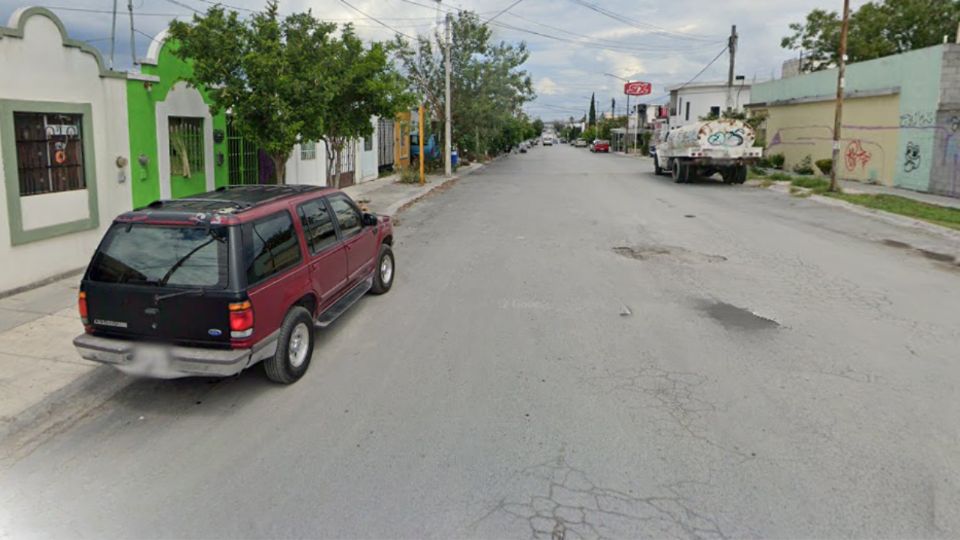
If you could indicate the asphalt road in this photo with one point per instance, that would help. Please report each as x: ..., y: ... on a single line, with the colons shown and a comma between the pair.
x: 573, y: 347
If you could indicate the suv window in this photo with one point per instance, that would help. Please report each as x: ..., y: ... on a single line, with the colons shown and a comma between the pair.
x: 317, y: 225
x: 348, y: 215
x: 271, y: 246
x: 162, y: 255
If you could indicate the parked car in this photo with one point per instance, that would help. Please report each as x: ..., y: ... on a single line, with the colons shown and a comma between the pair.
x: 600, y: 145
x: 580, y: 143
x: 213, y: 284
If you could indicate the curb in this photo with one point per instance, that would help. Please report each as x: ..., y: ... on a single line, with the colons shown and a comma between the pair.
x: 401, y: 205
x: 893, y: 219
x: 82, y: 394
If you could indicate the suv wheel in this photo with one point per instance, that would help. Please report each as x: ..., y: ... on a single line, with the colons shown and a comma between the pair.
x: 383, y: 275
x: 294, y: 348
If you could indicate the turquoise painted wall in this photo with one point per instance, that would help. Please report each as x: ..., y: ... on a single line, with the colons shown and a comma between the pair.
x: 917, y: 74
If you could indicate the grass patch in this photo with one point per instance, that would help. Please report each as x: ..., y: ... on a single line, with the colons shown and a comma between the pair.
x: 817, y: 185
x: 766, y: 182
x: 780, y: 177
x: 939, y: 215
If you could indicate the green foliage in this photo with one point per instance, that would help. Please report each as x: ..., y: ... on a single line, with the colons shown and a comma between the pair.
x: 940, y: 215
x: 780, y: 177
x: 878, y: 28
x: 817, y: 185
x: 592, y: 115
x: 488, y: 83
x: 409, y: 175
x: 282, y: 78
x: 589, y: 134
x: 607, y: 124
x: 805, y: 166
x: 776, y: 160
x: 538, y: 126
x: 825, y: 165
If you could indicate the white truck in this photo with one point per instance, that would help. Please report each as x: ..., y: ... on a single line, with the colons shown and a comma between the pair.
x: 704, y: 148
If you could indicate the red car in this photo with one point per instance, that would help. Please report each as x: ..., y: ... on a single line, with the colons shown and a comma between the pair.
x: 600, y: 146
x: 213, y: 284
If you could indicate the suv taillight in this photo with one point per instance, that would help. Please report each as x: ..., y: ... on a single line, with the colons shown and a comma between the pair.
x: 241, y: 320
x: 82, y: 307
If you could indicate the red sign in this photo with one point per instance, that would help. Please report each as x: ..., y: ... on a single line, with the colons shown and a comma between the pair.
x: 637, y: 88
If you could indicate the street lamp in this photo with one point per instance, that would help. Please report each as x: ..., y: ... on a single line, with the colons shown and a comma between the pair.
x: 628, y: 109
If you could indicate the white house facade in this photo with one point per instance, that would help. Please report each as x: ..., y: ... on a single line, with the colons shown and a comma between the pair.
x: 690, y: 102
x: 64, y: 163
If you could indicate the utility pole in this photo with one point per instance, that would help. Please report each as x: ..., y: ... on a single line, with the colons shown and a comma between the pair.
x: 838, y: 115
x: 113, y: 33
x: 447, y: 165
x: 133, y: 43
x: 420, y: 152
x: 732, y: 49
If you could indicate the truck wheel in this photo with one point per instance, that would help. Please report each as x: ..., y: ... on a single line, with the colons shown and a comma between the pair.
x: 727, y: 174
x: 681, y: 172
x: 741, y: 174
x: 294, y: 348
x: 383, y: 274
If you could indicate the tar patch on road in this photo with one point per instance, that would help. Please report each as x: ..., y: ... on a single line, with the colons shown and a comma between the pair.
x: 929, y: 254
x: 675, y: 253
x: 736, y: 318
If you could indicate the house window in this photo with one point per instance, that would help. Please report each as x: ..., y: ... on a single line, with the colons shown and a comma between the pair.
x: 368, y: 143
x: 715, y: 112
x: 186, y: 145
x: 308, y: 150
x: 49, y: 152
x: 686, y: 115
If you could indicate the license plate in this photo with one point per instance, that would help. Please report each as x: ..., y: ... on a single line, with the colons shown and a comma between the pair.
x: 150, y: 359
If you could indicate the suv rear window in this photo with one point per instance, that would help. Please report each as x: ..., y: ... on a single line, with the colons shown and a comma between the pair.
x: 163, y: 256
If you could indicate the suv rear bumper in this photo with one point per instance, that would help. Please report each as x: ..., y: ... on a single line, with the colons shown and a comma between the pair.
x: 175, y: 362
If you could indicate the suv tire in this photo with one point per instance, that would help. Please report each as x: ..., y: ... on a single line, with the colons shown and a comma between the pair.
x: 294, y: 348
x: 384, y: 272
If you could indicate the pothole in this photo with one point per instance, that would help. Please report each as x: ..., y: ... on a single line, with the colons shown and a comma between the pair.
x: 933, y: 255
x: 896, y: 244
x: 737, y: 318
x: 929, y: 254
x: 651, y: 252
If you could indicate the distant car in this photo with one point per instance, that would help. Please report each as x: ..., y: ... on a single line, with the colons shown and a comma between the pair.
x: 580, y: 143
x: 523, y: 148
x: 563, y: 141
x: 600, y: 146
x: 211, y: 285
x: 548, y: 141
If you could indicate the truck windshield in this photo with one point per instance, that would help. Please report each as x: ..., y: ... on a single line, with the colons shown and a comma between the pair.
x: 162, y: 256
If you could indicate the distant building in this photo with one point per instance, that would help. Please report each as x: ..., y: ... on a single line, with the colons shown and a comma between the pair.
x: 901, y: 119
x: 791, y: 68
x: 690, y: 102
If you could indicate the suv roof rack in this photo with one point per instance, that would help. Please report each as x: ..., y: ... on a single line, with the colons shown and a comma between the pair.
x: 238, y: 198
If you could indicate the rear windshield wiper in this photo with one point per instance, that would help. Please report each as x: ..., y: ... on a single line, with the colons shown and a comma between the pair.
x: 189, y: 292
x: 176, y: 266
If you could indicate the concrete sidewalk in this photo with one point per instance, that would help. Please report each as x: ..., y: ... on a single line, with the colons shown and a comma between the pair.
x: 44, y: 381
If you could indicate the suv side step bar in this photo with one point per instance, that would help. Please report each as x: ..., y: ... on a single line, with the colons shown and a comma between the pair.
x: 356, y: 293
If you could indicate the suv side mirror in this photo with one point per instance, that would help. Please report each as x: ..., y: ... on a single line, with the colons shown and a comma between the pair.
x: 369, y: 220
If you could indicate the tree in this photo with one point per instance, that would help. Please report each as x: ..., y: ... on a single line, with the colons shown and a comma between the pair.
x: 363, y: 84
x: 537, y: 126
x: 592, y: 116
x: 488, y: 83
x: 878, y: 28
x: 263, y: 71
x: 288, y: 79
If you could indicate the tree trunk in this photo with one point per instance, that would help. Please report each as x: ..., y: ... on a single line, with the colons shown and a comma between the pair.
x: 280, y: 167
x: 337, y: 165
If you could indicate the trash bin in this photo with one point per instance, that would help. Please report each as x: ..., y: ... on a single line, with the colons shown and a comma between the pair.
x: 454, y: 158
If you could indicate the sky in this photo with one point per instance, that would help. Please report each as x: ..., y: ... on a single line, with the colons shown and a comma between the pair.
x: 572, y: 46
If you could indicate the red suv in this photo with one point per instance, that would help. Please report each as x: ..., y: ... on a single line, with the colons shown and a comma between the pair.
x: 213, y: 284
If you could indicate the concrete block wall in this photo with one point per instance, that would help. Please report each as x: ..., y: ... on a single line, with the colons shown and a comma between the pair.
x: 945, y: 166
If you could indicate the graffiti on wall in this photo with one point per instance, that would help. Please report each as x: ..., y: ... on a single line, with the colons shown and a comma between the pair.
x: 726, y: 138
x: 911, y: 158
x: 855, y: 155
x: 917, y: 119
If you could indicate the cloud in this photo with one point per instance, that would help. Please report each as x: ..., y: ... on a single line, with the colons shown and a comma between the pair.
x: 546, y: 87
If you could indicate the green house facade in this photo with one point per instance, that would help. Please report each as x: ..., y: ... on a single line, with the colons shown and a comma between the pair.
x: 178, y: 148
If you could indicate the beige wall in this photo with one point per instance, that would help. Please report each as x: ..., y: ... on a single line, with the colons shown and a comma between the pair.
x: 869, y: 140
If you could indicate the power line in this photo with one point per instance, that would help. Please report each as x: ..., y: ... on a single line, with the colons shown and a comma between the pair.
x: 620, y: 48
x: 91, y: 10
x: 637, y: 24
x: 504, y: 10
x: 699, y: 73
x: 181, y: 4
x: 374, y: 19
